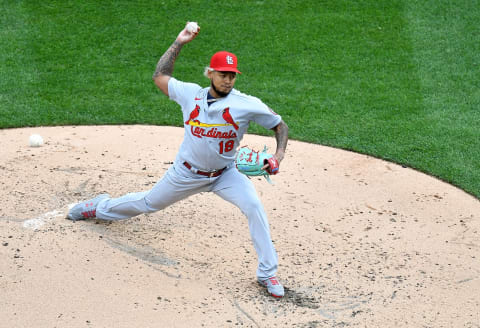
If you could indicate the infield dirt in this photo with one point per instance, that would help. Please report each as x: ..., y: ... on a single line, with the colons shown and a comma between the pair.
x: 361, y: 242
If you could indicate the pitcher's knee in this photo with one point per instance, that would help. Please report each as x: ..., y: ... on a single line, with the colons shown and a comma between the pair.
x: 252, y: 207
x: 153, y: 206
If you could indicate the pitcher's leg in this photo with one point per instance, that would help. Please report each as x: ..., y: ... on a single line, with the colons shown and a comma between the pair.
x: 124, y: 207
x: 239, y: 190
x: 170, y: 189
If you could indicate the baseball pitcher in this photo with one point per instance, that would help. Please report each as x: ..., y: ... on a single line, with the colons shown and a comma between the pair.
x: 215, y: 119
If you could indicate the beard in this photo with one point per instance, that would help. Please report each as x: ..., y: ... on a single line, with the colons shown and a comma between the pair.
x: 220, y: 93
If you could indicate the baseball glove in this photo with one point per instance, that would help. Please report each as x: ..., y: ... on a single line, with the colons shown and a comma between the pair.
x: 251, y: 162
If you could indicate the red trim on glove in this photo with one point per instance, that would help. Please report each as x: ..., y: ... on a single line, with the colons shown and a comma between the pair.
x: 273, y: 165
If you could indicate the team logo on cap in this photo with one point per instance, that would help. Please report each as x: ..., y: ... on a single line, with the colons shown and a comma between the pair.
x: 229, y: 60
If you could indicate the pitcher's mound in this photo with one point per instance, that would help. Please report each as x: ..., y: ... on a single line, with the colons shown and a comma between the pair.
x: 361, y: 242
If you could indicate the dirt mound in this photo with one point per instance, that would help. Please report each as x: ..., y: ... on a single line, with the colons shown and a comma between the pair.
x: 361, y: 242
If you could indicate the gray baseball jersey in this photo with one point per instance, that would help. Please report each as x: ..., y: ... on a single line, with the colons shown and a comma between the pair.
x: 213, y: 133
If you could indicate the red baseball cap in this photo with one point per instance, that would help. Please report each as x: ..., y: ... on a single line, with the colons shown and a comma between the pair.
x: 224, y: 61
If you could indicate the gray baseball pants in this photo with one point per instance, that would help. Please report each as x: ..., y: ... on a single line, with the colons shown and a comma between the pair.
x: 179, y: 183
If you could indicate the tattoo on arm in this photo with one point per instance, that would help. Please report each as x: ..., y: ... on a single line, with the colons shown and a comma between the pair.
x: 281, y: 135
x: 165, y: 64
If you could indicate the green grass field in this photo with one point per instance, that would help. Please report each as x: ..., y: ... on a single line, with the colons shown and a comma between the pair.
x: 398, y: 80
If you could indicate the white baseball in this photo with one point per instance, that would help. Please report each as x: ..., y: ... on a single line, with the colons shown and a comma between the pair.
x: 192, y: 27
x: 35, y: 140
